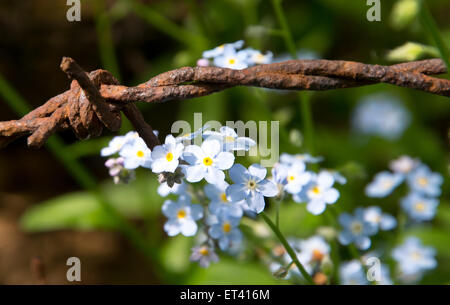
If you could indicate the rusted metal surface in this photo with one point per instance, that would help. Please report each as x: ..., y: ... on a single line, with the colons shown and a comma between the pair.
x: 95, y: 99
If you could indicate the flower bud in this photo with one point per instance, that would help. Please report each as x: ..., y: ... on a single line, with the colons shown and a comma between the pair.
x: 281, y: 273
x: 320, y: 278
x: 296, y: 137
x: 403, y: 13
x: 203, y: 62
x: 411, y: 51
x: 329, y: 233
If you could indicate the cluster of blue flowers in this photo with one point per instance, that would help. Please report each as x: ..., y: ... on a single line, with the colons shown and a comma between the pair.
x: 413, y: 259
x: 314, y: 189
x: 421, y: 202
x: 219, y: 206
x: 358, y: 228
x: 229, y: 55
x: 180, y: 164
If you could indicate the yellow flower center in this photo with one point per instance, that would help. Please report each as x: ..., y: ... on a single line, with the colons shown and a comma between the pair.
x: 181, y: 214
x: 204, y: 251
x: 169, y: 156
x: 208, y: 161
x: 419, y: 206
x: 377, y: 218
x: 140, y: 153
x: 226, y: 227
x: 387, y: 184
x: 251, y: 184
x: 290, y: 178
x: 357, y: 227
x: 416, y: 255
x: 119, y: 146
x: 317, y: 255
x: 231, y: 61
x: 229, y: 139
x: 223, y: 197
x: 422, y: 181
x: 316, y: 190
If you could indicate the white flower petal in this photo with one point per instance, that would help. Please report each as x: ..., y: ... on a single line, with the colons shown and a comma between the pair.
x: 331, y: 196
x: 170, y: 139
x: 188, y: 227
x: 256, y: 202
x: 211, y: 147
x: 245, y: 141
x: 325, y: 179
x: 388, y: 222
x: 224, y: 160
x: 158, y: 152
x: 228, y: 132
x: 195, y: 173
x: 107, y: 151
x: 214, y: 175
x: 172, y: 227
x: 163, y: 190
x: 193, y: 154
x: 316, y: 207
x: 131, y: 163
x: 258, y: 171
x: 268, y: 188
x: 159, y: 165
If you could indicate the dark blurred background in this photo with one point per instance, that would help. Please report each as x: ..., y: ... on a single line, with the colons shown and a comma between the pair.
x: 134, y: 41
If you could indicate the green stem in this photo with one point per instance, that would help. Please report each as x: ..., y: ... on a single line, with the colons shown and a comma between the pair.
x: 289, y: 41
x: 354, y: 252
x: 288, y: 248
x: 430, y: 25
x: 308, y: 126
x: 166, y: 26
x: 277, y: 216
x: 356, y: 255
x: 304, y: 97
x: 105, y: 40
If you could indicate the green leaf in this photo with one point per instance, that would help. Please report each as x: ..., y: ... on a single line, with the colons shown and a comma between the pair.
x: 137, y: 199
x: 81, y: 210
x: 176, y: 252
x: 296, y: 221
x: 78, y: 210
x: 230, y: 271
x: 443, y: 214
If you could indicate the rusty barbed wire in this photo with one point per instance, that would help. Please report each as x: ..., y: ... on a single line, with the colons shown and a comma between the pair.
x: 95, y: 100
